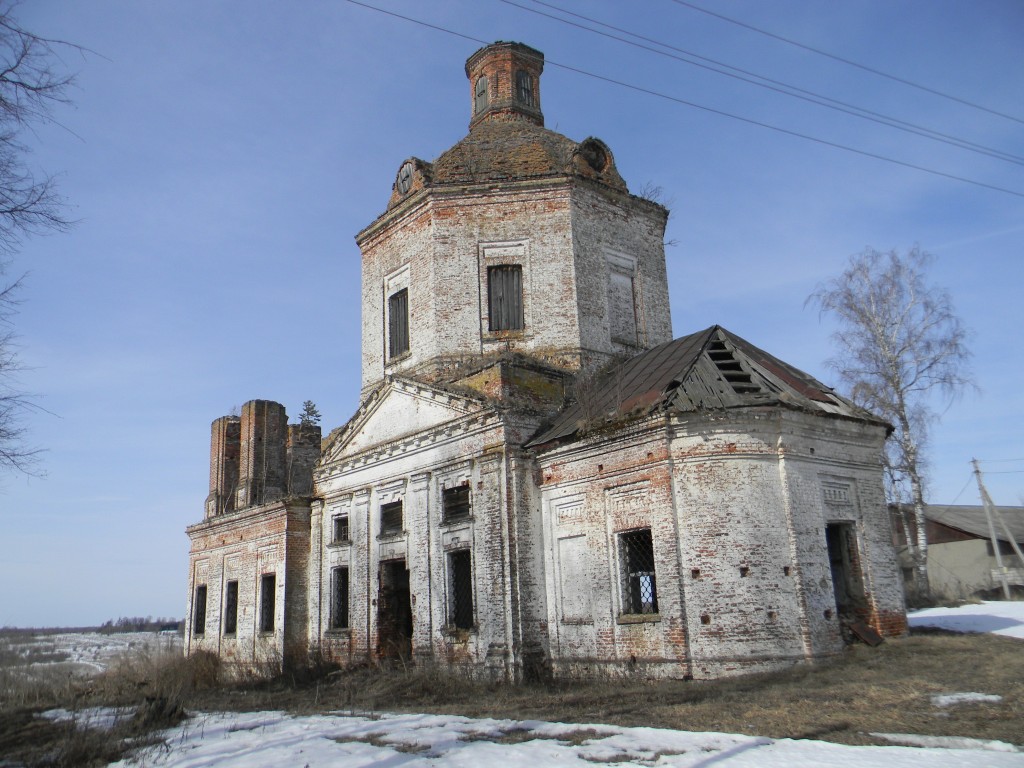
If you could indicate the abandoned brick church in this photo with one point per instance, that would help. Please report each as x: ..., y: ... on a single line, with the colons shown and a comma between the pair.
x: 539, y: 479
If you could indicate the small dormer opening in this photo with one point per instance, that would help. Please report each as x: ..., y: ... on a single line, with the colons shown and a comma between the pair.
x: 724, y: 358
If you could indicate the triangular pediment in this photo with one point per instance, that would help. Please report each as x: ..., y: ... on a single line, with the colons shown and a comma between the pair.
x: 399, y: 410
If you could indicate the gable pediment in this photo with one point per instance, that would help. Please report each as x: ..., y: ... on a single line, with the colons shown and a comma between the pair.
x: 397, y: 411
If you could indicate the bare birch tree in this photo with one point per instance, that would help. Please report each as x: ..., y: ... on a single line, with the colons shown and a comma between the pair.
x: 31, y: 85
x: 901, y: 346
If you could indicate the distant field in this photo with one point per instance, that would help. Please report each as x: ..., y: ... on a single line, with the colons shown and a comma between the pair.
x: 29, y: 653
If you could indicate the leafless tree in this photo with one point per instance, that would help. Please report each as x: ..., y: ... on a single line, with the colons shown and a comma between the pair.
x: 901, y: 345
x: 31, y: 85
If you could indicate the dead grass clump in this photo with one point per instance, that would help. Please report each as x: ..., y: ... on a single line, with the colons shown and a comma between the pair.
x: 864, y: 690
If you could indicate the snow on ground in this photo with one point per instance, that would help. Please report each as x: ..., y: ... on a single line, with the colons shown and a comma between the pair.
x: 273, y: 739
x: 949, y: 699
x: 1000, y: 618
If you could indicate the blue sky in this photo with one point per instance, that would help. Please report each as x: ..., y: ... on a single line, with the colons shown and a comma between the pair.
x: 220, y: 158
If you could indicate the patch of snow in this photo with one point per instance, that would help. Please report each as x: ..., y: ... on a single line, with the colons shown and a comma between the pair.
x: 997, y: 617
x: 104, y: 718
x: 949, y: 699
x: 948, y: 742
x: 272, y: 739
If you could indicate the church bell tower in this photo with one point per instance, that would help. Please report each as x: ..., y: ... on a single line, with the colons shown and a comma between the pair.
x: 515, y: 240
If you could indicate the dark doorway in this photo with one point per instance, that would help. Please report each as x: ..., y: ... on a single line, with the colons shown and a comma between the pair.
x: 394, y: 611
x: 844, y: 559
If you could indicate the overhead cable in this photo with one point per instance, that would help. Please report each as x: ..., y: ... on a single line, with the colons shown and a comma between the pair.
x: 667, y: 97
x: 856, y: 64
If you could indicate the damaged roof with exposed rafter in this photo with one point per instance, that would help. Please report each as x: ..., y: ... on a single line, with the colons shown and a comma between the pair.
x: 710, y: 370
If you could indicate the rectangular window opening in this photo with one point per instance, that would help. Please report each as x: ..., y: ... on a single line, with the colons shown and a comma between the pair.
x: 199, y: 611
x: 339, y: 598
x: 639, y: 585
x: 460, y: 602
x: 505, y: 298
x: 231, y: 608
x: 268, y: 590
x: 391, y: 518
x: 398, y: 323
x: 341, y: 533
x: 455, y: 503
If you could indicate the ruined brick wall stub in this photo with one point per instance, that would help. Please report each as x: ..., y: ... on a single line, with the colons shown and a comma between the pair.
x: 303, y: 452
x: 225, y: 444
x: 224, y: 451
x: 263, y: 461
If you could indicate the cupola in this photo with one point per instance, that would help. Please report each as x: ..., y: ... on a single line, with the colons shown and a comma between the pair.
x: 504, y: 83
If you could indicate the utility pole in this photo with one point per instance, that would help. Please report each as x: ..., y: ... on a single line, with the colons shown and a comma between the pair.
x: 986, y: 501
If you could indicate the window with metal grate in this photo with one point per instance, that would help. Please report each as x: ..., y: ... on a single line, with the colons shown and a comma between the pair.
x: 339, y: 598
x: 460, y: 603
x: 199, y: 611
x: 340, y: 528
x: 268, y: 590
x: 231, y: 608
x: 639, y: 586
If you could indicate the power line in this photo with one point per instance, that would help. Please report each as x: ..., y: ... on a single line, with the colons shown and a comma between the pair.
x: 864, y: 67
x: 970, y: 478
x: 667, y: 97
x: 770, y: 84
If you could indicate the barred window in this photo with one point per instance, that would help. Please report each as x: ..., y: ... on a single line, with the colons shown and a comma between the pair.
x: 391, y: 517
x: 339, y: 598
x: 639, y: 587
x: 524, y: 88
x: 231, y: 608
x: 460, y: 589
x: 340, y: 528
x: 505, y: 298
x: 398, y: 323
x: 268, y: 589
x: 455, y: 503
x: 199, y: 611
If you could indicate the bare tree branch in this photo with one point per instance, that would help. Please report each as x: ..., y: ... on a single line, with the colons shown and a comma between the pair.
x: 32, y: 84
x: 899, y: 342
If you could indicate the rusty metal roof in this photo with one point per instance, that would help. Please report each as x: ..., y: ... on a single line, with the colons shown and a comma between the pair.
x: 972, y: 519
x: 710, y: 370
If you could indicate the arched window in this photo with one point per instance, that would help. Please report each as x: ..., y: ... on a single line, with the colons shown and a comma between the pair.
x: 480, y: 95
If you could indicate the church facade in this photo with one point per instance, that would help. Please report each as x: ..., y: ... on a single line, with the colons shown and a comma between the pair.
x: 538, y: 479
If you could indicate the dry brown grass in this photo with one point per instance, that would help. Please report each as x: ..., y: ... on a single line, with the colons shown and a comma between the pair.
x: 886, y: 689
